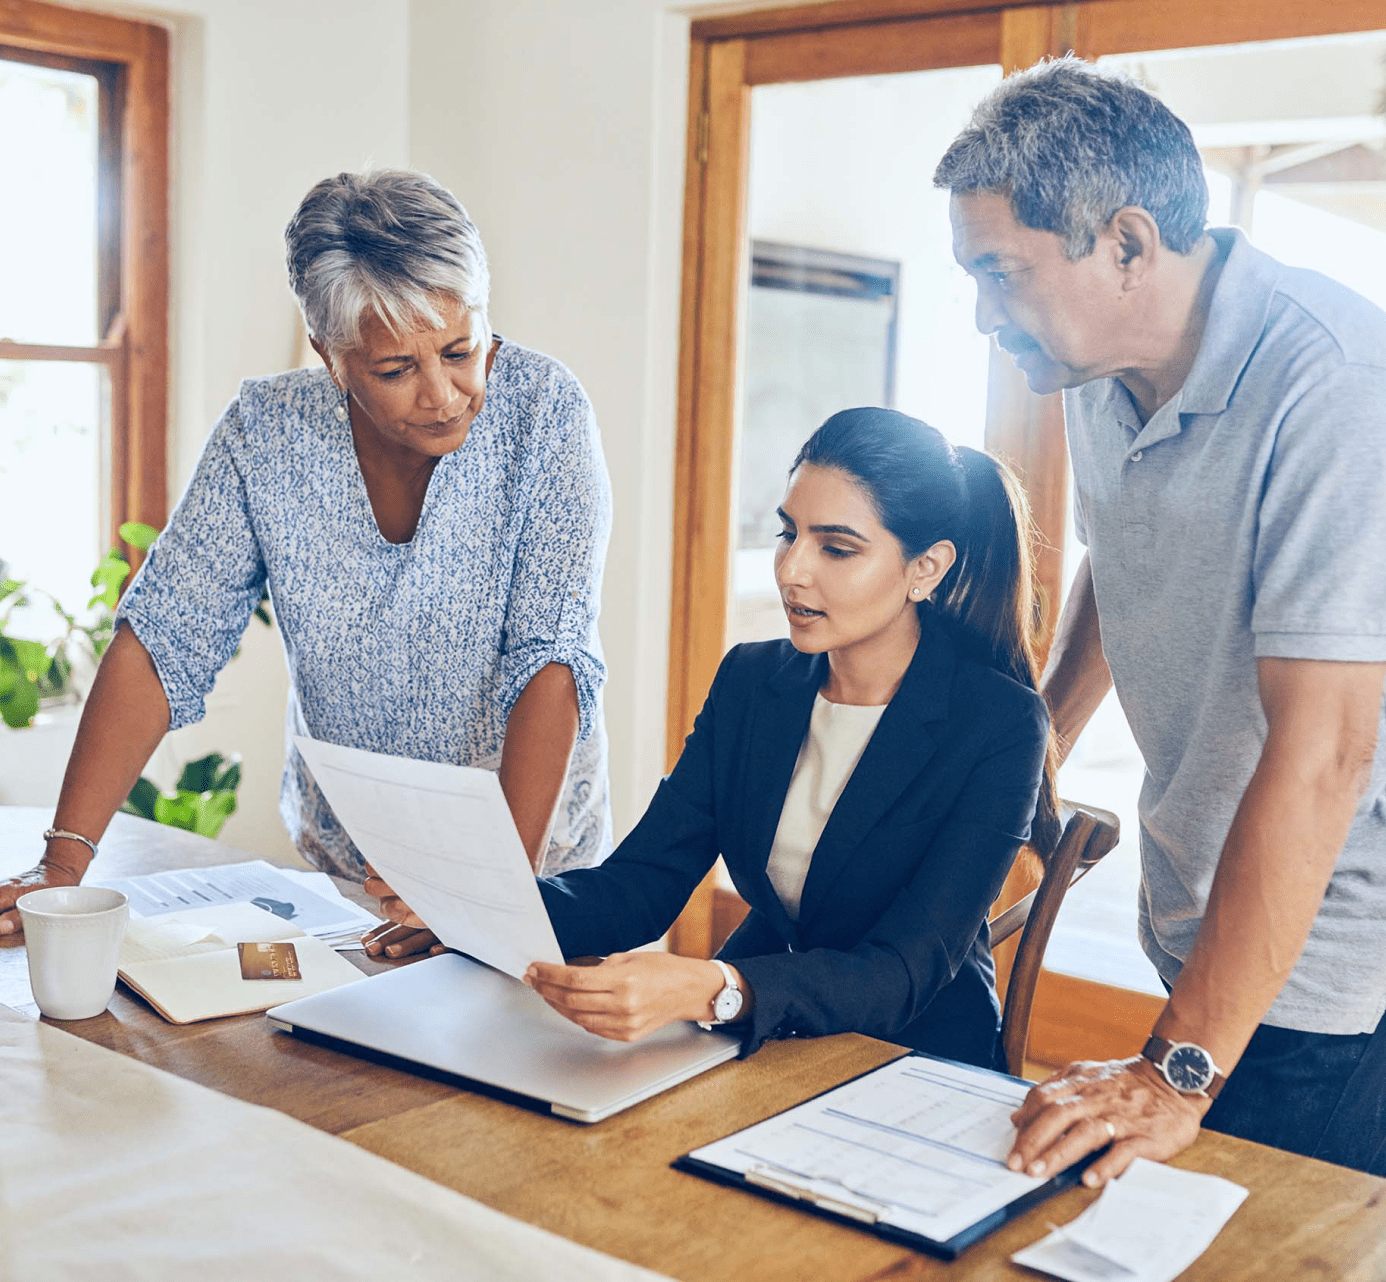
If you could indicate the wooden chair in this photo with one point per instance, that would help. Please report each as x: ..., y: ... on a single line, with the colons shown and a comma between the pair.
x: 1088, y: 834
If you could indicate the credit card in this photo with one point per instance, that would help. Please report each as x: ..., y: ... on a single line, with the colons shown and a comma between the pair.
x: 269, y: 961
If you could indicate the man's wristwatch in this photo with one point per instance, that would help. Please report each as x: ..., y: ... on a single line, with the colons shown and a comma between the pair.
x: 1185, y: 1066
x: 726, y: 1006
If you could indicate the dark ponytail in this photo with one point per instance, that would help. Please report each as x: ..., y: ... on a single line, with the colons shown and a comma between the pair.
x: 925, y: 490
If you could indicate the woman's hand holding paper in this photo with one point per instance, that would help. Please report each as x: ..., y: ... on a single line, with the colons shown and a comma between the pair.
x: 628, y: 996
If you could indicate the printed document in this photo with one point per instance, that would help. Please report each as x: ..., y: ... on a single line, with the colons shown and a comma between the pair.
x: 443, y: 837
x: 1149, y: 1225
x: 918, y: 1144
x: 333, y: 919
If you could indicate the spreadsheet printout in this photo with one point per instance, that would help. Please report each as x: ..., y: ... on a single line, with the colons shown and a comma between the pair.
x: 920, y: 1144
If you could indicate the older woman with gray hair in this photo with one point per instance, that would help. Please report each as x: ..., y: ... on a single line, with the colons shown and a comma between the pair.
x: 430, y: 515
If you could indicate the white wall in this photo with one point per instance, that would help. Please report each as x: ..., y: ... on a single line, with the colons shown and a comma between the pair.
x: 560, y: 127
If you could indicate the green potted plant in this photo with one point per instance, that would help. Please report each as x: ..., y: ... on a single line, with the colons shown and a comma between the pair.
x: 39, y: 674
x: 202, y: 800
x: 34, y: 671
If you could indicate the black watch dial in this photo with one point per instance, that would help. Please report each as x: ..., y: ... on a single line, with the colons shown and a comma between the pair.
x: 1189, y: 1068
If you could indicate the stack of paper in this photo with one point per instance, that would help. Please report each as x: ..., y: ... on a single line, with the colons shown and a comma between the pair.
x: 309, y: 900
x: 187, y: 965
x: 320, y: 884
x: 1149, y: 1225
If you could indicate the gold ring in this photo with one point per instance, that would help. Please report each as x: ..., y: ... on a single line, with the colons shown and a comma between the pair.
x: 1111, y: 1130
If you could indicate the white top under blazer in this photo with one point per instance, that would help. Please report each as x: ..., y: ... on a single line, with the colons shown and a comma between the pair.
x: 837, y: 736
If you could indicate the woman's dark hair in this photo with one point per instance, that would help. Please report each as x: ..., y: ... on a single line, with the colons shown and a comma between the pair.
x: 925, y: 490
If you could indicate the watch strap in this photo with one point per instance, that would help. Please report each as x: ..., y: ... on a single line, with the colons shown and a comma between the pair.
x: 728, y: 984
x: 1157, y: 1048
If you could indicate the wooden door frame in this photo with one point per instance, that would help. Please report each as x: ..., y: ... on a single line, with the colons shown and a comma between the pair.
x: 135, y: 344
x: 725, y: 62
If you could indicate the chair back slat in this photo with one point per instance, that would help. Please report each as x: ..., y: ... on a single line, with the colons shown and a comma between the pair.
x: 1088, y: 835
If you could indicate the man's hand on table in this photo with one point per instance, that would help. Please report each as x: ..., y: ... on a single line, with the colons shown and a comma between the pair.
x: 1092, y: 1103
x: 48, y: 873
x: 403, y: 934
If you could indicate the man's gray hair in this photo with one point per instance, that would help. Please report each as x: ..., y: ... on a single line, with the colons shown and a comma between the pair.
x: 1071, y: 145
x: 391, y: 242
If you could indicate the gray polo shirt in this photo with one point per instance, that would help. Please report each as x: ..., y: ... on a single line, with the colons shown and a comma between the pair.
x: 1246, y: 519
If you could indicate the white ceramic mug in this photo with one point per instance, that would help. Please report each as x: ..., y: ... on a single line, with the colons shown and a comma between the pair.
x: 73, y: 936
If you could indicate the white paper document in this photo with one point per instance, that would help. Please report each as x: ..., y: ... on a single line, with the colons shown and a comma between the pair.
x: 1149, y: 1225
x: 323, y: 885
x: 443, y: 837
x: 918, y: 1144
x: 329, y: 918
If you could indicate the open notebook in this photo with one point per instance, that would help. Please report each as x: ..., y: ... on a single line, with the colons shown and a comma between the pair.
x: 187, y: 965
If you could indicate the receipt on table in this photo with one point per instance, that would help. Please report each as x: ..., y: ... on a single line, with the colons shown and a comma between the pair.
x: 1149, y: 1225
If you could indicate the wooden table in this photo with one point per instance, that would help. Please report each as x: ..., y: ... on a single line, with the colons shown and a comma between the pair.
x: 610, y: 1186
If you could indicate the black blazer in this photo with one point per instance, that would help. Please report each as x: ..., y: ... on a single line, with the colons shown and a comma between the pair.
x: 891, y: 939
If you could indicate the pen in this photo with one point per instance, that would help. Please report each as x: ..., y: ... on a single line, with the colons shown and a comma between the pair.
x: 863, y: 1209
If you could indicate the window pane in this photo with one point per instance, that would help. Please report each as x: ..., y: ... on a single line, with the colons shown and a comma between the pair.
x: 48, y: 151
x: 52, y: 482
x: 855, y: 298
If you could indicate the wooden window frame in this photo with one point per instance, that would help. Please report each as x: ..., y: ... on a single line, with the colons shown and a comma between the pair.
x: 131, y: 63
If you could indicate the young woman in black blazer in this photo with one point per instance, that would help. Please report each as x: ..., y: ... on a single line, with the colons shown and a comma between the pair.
x: 905, y: 572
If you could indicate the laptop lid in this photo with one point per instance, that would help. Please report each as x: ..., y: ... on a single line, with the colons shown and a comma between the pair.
x: 456, y: 1016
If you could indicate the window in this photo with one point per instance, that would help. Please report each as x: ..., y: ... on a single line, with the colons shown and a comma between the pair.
x: 83, y: 311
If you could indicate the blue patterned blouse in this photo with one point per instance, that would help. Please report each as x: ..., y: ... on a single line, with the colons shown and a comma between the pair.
x: 419, y: 649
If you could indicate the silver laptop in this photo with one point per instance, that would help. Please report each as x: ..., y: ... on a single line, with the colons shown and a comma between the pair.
x: 460, y: 1018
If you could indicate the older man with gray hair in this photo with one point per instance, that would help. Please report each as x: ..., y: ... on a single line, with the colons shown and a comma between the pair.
x: 1226, y: 417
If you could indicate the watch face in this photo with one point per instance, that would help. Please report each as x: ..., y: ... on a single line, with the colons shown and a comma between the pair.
x: 727, y: 1006
x: 1188, y: 1068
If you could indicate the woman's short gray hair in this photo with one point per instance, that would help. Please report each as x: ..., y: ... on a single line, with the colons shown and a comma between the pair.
x: 1071, y: 145
x: 391, y: 242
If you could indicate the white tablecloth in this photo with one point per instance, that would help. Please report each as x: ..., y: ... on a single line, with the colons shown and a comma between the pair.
x: 111, y: 1169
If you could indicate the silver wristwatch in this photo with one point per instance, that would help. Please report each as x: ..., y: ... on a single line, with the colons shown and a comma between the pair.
x: 1185, y: 1066
x: 726, y: 1006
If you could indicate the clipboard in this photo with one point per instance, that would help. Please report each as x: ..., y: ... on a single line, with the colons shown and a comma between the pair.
x: 872, y: 1152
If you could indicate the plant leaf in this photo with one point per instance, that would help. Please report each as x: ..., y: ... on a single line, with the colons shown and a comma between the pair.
x: 19, y: 709
x: 141, y: 799
x: 177, y: 810
x: 213, y: 810
x: 33, y: 658
x: 138, y: 535
x: 111, y: 571
x: 19, y: 697
x: 198, y: 776
x: 228, y: 779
